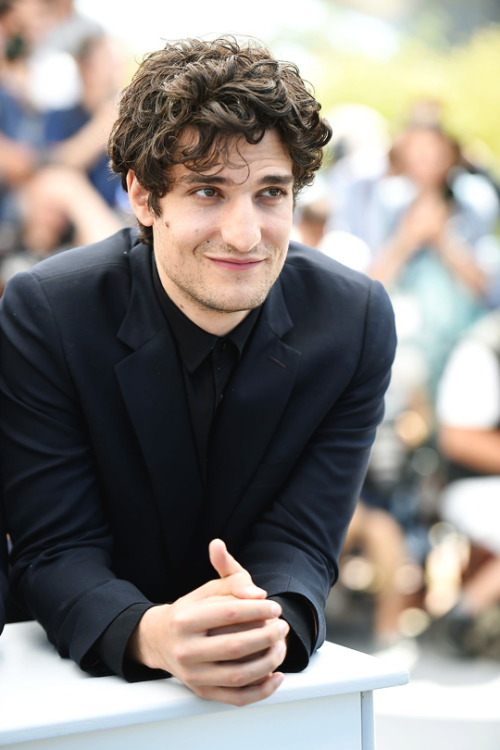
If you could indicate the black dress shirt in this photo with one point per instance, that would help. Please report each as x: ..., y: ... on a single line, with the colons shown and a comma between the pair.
x: 208, y: 362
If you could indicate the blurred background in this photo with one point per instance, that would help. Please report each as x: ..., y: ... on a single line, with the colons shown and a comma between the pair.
x: 409, y: 194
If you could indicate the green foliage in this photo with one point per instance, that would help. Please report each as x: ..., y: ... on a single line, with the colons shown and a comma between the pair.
x: 464, y: 79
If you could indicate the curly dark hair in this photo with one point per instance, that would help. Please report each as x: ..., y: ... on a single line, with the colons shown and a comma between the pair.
x: 220, y: 89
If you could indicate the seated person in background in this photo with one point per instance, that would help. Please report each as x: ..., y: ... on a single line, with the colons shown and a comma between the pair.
x: 31, y: 138
x: 68, y: 27
x: 468, y: 412
x: 380, y: 538
x: 21, y: 127
x: 201, y: 378
x: 55, y: 205
x: 77, y: 136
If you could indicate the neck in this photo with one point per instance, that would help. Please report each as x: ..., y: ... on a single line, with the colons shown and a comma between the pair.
x: 212, y: 321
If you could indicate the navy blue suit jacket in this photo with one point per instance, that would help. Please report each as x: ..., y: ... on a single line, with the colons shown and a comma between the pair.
x: 101, y: 484
x: 3, y: 571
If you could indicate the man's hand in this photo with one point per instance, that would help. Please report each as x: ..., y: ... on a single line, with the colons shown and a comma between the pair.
x: 223, y: 640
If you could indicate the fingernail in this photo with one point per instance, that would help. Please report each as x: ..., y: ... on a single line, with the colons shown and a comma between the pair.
x: 278, y: 678
x: 275, y: 609
x: 284, y: 627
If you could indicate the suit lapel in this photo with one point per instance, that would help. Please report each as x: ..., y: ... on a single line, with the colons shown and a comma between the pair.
x: 253, y: 405
x: 152, y: 386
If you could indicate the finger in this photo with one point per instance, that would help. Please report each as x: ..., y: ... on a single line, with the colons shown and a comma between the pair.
x: 226, y: 566
x: 247, y: 643
x: 238, y: 585
x: 237, y: 673
x: 242, y: 696
x: 223, y: 562
x: 210, y: 614
x: 240, y: 627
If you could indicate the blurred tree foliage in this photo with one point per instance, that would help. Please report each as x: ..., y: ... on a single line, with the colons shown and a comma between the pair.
x: 463, y: 78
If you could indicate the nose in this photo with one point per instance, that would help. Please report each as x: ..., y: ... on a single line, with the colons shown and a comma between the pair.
x: 240, y: 225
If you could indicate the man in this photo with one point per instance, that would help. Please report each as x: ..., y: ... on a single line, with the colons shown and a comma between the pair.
x: 199, y: 381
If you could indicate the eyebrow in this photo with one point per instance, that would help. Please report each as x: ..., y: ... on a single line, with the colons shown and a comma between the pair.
x: 195, y: 178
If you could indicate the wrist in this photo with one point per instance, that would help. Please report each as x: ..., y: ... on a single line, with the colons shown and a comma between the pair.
x: 142, y: 645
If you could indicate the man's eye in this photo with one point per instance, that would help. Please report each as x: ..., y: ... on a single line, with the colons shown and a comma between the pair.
x: 273, y: 192
x: 207, y: 192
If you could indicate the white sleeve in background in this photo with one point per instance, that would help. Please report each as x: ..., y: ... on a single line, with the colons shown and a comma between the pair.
x: 469, y: 392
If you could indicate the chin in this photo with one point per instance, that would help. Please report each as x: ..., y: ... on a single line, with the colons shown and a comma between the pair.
x: 242, y: 304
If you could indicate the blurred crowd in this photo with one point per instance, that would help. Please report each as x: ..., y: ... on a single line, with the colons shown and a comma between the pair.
x: 414, y: 211
x: 59, y: 79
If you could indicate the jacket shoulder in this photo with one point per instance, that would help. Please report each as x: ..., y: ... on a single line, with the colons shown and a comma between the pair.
x: 333, y: 306
x: 309, y: 272
x: 113, y: 250
x: 92, y: 281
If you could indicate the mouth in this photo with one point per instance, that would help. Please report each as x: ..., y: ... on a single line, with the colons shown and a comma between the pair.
x: 236, y: 264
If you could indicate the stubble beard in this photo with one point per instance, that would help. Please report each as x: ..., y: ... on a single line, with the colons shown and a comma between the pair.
x: 205, y: 298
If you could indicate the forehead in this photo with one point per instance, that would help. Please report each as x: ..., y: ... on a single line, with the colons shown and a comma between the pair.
x: 235, y: 153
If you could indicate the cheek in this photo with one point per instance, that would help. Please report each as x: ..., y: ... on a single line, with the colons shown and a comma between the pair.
x: 187, y: 233
x: 282, y: 236
x: 279, y: 257
x: 280, y: 226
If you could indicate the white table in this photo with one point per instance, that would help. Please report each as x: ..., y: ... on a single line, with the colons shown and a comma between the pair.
x: 47, y: 703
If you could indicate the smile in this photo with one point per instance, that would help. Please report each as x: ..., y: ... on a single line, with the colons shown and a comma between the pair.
x: 234, y: 264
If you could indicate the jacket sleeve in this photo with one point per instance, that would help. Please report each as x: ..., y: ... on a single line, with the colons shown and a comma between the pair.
x: 295, y: 546
x: 61, y: 539
x: 3, y: 570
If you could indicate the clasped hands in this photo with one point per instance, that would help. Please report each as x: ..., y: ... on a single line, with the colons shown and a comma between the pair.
x: 223, y: 640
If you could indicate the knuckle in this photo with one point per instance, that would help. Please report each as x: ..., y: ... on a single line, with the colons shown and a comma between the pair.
x: 270, y: 637
x: 234, y: 650
x: 279, y: 655
x: 242, y: 576
x: 270, y: 642
x: 239, y: 699
x: 237, y: 678
x: 180, y: 654
x: 240, y: 580
x: 178, y: 622
x: 231, y: 612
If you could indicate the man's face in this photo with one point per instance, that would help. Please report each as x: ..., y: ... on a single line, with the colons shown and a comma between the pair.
x: 222, y: 237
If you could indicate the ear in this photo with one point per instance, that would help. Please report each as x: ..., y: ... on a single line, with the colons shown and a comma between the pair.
x: 138, y: 197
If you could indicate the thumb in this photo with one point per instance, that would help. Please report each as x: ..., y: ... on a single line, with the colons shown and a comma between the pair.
x: 225, y: 565
x: 222, y: 561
